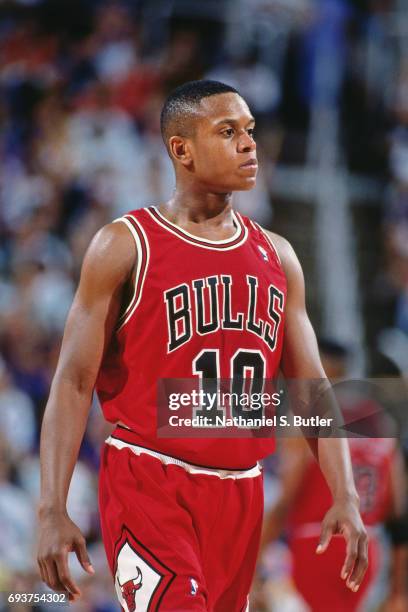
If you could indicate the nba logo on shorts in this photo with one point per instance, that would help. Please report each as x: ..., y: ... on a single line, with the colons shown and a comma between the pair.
x: 194, y: 586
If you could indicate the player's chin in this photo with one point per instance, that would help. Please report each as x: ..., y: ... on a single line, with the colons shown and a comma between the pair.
x: 236, y: 183
x: 245, y: 184
x: 245, y: 178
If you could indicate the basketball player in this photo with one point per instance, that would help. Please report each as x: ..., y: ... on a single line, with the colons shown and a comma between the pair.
x: 186, y: 289
x: 305, y: 498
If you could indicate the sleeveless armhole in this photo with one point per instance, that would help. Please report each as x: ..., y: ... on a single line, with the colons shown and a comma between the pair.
x: 143, y: 255
x: 269, y: 241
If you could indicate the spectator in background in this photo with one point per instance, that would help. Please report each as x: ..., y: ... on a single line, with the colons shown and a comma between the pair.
x: 17, y: 533
x: 106, y: 151
x: 17, y: 416
x: 396, y: 213
x: 115, y: 42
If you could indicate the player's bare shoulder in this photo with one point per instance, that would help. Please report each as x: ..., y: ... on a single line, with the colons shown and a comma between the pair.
x: 111, y: 255
x: 289, y: 260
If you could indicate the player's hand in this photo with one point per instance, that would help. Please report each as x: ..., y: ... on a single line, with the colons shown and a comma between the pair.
x: 58, y: 536
x: 344, y: 518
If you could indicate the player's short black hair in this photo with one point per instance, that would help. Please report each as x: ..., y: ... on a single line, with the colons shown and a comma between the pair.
x: 181, y: 105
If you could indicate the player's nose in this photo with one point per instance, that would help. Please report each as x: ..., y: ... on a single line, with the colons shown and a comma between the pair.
x: 246, y: 143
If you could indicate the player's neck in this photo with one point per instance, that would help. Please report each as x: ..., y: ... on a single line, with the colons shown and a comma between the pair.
x: 186, y: 206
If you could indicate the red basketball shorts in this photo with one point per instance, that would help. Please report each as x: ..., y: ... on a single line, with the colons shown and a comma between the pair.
x: 317, y: 577
x: 178, y: 537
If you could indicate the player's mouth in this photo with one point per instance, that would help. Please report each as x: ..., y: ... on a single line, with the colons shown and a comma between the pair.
x: 250, y: 165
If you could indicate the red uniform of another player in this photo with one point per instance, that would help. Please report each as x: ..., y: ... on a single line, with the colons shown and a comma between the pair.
x: 201, y: 308
x: 372, y: 465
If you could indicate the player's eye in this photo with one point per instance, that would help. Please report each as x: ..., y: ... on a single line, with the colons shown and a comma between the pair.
x: 251, y: 132
x: 228, y: 132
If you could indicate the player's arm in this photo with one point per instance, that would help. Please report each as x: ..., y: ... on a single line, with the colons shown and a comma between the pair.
x: 301, y: 362
x: 107, y: 266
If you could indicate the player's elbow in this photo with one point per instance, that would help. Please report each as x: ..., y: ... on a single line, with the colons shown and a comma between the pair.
x: 79, y: 380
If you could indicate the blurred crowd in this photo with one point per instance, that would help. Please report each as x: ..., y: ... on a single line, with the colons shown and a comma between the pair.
x: 82, y: 83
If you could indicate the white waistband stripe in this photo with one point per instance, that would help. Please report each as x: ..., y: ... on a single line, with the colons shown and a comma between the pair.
x: 191, y: 469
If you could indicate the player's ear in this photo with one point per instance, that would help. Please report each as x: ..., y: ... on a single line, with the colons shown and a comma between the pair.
x: 180, y: 150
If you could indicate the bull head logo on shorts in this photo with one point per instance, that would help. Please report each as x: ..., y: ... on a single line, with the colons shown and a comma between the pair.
x: 129, y: 589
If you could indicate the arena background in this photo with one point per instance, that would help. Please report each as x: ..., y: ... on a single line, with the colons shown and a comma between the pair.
x: 82, y: 83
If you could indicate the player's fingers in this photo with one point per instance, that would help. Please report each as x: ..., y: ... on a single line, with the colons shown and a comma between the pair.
x: 53, y: 579
x: 325, y: 537
x: 360, y: 565
x: 64, y: 575
x: 352, y: 538
x: 83, y: 557
x: 43, y: 571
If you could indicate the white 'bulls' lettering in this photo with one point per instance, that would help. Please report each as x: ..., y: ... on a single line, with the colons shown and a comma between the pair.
x: 204, y: 297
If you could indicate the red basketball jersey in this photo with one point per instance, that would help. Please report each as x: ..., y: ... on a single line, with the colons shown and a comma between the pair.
x: 201, y: 308
x: 372, y: 460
